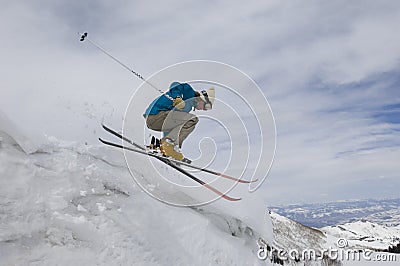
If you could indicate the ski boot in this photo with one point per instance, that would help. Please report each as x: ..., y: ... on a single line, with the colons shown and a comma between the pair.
x: 169, y: 149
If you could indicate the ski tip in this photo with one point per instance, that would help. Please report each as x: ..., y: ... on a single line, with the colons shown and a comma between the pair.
x: 247, y: 181
x: 105, y: 126
x: 230, y: 198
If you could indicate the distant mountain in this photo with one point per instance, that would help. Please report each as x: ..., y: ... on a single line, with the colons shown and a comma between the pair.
x: 364, y: 234
x: 384, y: 212
x: 294, y: 239
x: 290, y: 235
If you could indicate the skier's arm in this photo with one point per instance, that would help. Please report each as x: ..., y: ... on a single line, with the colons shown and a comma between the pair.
x: 179, y: 103
x: 182, y: 93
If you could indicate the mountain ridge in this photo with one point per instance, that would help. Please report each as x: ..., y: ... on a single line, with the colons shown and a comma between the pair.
x: 381, y: 211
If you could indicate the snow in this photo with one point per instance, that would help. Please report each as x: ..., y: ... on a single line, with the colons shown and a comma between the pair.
x: 67, y: 203
x: 10, y: 133
x: 365, y: 234
x: 72, y: 203
x: 291, y: 235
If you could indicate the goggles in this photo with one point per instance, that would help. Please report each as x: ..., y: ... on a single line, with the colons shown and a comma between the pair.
x: 208, y: 104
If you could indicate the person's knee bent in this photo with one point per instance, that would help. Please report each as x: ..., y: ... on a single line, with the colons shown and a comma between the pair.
x: 155, y: 122
x: 152, y: 124
x: 192, y: 122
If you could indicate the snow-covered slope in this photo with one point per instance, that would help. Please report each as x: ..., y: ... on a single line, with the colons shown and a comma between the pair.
x: 367, y: 242
x: 10, y: 133
x: 364, y: 234
x: 293, y: 235
x: 75, y: 204
x: 293, y: 238
x: 364, y: 240
x: 70, y: 203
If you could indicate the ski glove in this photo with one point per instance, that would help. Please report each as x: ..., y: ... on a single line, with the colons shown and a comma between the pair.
x: 179, y: 103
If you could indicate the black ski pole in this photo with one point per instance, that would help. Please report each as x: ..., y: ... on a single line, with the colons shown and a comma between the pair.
x: 84, y: 37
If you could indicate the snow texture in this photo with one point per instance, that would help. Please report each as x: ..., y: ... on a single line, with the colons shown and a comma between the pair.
x: 11, y: 134
x: 73, y: 204
x: 360, y: 236
x: 66, y: 203
x: 366, y: 234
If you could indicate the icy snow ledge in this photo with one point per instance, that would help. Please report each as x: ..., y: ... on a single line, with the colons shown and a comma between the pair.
x: 9, y: 133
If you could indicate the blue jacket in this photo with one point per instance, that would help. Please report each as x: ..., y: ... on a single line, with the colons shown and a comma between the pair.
x: 163, y: 103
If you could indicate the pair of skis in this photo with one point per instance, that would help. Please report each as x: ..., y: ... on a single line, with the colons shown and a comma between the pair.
x: 173, y: 163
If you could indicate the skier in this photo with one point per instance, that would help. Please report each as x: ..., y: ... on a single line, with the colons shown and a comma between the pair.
x: 169, y: 114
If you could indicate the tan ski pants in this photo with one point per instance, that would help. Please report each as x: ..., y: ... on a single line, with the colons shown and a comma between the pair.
x: 175, y: 125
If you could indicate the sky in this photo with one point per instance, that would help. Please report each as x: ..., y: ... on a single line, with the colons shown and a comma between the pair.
x: 329, y: 70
